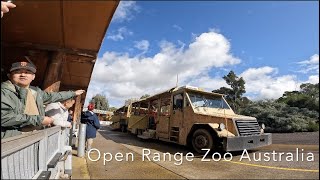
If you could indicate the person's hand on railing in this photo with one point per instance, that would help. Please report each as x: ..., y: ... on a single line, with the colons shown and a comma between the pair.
x: 70, y: 126
x: 47, y: 121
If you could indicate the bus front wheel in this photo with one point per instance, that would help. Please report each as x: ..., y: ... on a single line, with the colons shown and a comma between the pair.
x: 202, y: 139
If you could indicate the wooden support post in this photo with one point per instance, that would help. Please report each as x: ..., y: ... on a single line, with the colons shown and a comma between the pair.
x: 77, y: 110
x: 54, y: 72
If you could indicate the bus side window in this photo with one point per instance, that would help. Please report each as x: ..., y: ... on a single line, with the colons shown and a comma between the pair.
x: 178, y: 101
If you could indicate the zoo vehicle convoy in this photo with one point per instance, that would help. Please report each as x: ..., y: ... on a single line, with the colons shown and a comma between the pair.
x: 195, y: 118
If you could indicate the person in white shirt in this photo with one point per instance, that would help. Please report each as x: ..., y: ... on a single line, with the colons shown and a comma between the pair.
x: 59, y: 112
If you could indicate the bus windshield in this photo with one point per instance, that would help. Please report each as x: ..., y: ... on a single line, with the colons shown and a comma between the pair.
x: 202, y: 100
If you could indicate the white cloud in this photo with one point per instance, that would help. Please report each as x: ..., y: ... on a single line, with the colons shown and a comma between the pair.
x: 313, y: 60
x: 262, y: 83
x: 142, y: 45
x: 217, y: 30
x: 314, y: 79
x: 125, y: 11
x: 123, y: 77
x: 120, y: 34
x: 177, y: 27
x: 311, y: 65
x: 120, y: 76
x: 208, y: 83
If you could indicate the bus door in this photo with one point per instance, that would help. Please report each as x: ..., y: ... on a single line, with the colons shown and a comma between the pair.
x: 162, y: 128
x: 176, y: 118
x: 177, y: 111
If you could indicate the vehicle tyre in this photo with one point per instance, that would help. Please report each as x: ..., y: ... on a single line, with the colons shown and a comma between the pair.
x: 202, y: 139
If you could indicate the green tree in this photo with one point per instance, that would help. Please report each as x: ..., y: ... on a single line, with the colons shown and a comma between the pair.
x: 234, y: 94
x: 112, y: 109
x: 145, y: 96
x: 129, y: 101
x: 307, y: 97
x: 100, y: 101
x: 310, y: 89
x: 280, y: 117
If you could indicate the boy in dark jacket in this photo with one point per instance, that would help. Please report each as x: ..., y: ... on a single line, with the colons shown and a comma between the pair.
x: 93, y: 124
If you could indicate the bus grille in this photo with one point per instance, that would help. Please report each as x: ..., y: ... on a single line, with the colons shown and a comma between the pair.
x: 248, y: 127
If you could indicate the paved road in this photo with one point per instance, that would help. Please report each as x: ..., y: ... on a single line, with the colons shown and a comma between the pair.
x: 284, y: 166
x: 311, y: 138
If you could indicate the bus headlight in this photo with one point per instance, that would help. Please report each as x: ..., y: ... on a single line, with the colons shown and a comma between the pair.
x: 262, y: 128
x: 222, y: 126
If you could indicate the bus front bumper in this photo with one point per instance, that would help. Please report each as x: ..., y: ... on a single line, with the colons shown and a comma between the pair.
x: 239, y: 143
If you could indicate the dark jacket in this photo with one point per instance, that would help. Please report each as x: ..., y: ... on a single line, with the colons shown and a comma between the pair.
x: 70, y: 119
x: 13, y: 99
x: 93, y: 123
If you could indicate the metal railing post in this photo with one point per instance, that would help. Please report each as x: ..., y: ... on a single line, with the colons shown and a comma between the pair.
x: 82, y: 140
x: 71, y: 134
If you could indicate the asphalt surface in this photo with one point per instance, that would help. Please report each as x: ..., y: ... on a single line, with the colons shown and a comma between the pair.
x: 311, y: 138
x: 160, y: 166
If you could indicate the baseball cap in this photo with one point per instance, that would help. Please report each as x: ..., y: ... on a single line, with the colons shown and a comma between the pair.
x: 91, y: 107
x: 23, y: 65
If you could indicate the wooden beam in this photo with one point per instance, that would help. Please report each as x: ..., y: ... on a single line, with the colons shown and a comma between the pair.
x: 54, y: 72
x: 74, y: 51
x: 82, y: 61
x: 77, y: 110
x: 70, y: 87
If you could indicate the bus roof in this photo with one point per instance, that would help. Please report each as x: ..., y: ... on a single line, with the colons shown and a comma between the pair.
x: 187, y: 88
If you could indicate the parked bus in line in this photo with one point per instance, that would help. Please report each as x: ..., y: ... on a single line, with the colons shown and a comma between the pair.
x: 195, y: 118
x: 120, y: 118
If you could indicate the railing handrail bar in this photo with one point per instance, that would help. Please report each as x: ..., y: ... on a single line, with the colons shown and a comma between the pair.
x: 16, y: 143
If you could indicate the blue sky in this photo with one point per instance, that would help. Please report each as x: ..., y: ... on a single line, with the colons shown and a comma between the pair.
x: 274, y: 46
